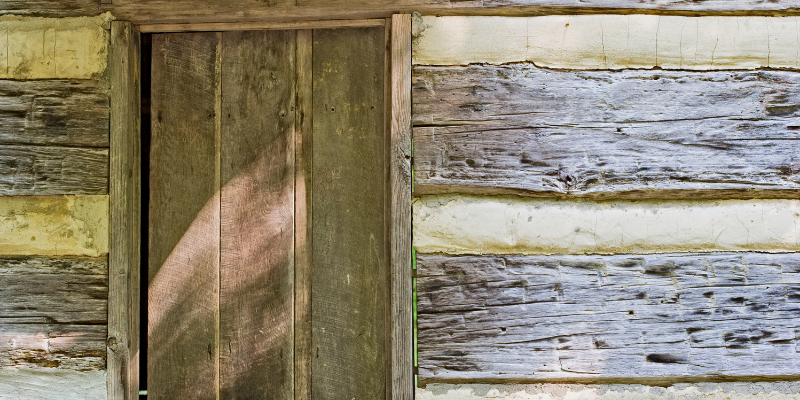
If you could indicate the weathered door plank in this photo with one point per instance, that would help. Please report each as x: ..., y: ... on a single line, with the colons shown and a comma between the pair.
x: 523, y: 130
x: 594, y: 318
x: 183, y: 295
x: 257, y: 215
x: 349, y: 255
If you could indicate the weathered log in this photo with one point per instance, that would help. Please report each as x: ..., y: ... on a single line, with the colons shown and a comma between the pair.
x: 60, y: 112
x: 594, y: 318
x: 53, y: 312
x: 39, y: 170
x: 520, y: 129
x: 50, y: 8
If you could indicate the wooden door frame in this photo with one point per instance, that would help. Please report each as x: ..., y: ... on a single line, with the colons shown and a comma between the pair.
x: 125, y: 194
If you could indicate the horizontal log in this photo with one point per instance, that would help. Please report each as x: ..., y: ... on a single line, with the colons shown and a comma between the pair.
x: 50, y: 8
x: 53, y: 313
x: 54, y: 48
x: 54, y: 112
x: 610, y: 41
x: 40, y: 170
x: 519, y: 225
x: 671, y: 316
x: 181, y: 11
x: 52, y: 383
x: 524, y: 130
x: 54, y: 225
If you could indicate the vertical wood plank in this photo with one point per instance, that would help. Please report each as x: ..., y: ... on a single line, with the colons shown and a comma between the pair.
x: 123, y: 291
x: 400, y: 219
x: 302, y: 215
x: 257, y: 215
x: 184, y: 217
x: 349, y: 253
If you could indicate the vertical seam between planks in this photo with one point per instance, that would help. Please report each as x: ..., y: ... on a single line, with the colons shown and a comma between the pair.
x: 388, y: 228
x: 218, y: 178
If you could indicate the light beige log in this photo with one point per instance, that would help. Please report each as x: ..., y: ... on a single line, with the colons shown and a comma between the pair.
x: 611, y: 41
x: 54, y: 225
x: 52, y: 383
x: 46, y: 48
x: 456, y: 224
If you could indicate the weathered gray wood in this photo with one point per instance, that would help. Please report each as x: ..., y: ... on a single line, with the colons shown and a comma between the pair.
x: 594, y: 318
x: 54, y: 112
x: 402, y: 352
x: 303, y: 346
x: 350, y: 254
x: 53, y: 312
x: 50, y: 8
x: 155, y: 11
x: 183, y: 294
x: 257, y: 222
x: 125, y: 194
x: 39, y: 170
x: 520, y: 129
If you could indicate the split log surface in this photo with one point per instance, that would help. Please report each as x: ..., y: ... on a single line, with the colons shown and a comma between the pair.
x: 45, y: 170
x: 524, y: 130
x: 50, y: 8
x: 53, y: 312
x: 57, y: 112
x: 595, y: 318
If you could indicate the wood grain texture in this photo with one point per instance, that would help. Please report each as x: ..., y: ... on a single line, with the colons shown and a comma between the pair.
x: 402, y: 352
x: 182, y: 11
x: 40, y: 170
x: 303, y: 346
x: 54, y: 112
x: 53, y: 313
x: 257, y: 215
x: 125, y: 195
x: 593, y: 318
x: 350, y: 255
x: 522, y: 130
x: 184, y: 217
x: 50, y: 8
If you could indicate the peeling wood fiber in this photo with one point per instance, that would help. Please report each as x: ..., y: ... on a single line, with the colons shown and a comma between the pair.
x: 53, y: 313
x: 659, y: 134
x: 456, y: 224
x: 591, y: 318
x: 53, y: 48
x: 54, y: 225
x: 611, y: 41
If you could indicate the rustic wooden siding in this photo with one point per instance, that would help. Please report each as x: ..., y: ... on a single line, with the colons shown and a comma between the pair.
x: 524, y: 130
x: 53, y: 312
x: 656, y: 317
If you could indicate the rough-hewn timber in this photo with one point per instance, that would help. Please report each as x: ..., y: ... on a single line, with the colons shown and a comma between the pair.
x: 54, y: 112
x: 672, y: 316
x: 520, y: 129
x: 39, y: 170
x: 53, y: 312
x: 50, y: 8
x: 155, y: 11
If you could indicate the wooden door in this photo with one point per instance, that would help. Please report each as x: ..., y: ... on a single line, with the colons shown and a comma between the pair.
x: 267, y: 227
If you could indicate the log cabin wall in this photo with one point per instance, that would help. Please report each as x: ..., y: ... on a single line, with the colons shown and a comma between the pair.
x: 54, y: 185
x: 606, y: 206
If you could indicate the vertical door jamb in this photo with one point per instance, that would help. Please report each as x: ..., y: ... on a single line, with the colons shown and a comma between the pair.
x: 125, y: 213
